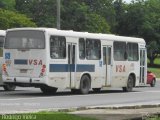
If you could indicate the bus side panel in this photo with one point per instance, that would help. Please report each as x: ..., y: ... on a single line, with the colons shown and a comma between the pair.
x: 120, y: 73
x: 58, y: 74
x: 97, y: 79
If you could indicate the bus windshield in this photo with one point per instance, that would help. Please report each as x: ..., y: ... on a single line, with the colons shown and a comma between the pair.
x: 25, y: 39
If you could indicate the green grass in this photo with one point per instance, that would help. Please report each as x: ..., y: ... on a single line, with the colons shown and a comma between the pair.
x: 43, y: 116
x: 157, y: 61
x: 155, y: 68
x: 153, y: 118
x: 156, y: 71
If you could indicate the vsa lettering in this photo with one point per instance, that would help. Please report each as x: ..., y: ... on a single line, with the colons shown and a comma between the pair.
x: 35, y: 62
x: 120, y: 68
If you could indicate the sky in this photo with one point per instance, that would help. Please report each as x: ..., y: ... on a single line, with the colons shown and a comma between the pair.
x: 127, y: 1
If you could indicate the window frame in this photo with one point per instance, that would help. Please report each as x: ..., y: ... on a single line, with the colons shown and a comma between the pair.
x: 31, y: 31
x: 84, y: 49
x: 118, y: 53
x: 137, y: 50
x: 63, y: 49
x: 99, y: 48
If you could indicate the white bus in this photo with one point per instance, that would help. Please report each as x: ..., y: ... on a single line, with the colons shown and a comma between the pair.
x: 5, y: 86
x: 50, y: 59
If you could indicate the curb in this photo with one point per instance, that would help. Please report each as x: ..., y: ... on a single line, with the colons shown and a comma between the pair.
x: 85, y: 108
x: 106, y: 107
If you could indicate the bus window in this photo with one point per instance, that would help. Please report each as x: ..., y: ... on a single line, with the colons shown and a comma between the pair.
x: 132, y: 49
x: 104, y: 56
x: 93, y: 49
x: 119, y: 51
x: 25, y: 39
x: 82, y: 48
x: 57, y: 47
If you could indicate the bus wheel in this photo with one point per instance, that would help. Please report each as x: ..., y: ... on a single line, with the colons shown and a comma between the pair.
x: 130, y: 83
x: 48, y: 90
x: 153, y: 83
x: 9, y: 87
x: 85, y: 85
x: 96, y: 89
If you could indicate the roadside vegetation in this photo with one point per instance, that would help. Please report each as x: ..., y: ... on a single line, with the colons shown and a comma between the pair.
x: 154, y: 118
x: 43, y: 116
x: 155, y: 68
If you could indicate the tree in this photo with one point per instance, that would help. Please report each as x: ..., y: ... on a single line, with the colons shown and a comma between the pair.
x: 76, y: 16
x: 130, y: 18
x: 152, y: 52
x: 10, y: 19
x: 120, y: 10
x: 104, y: 8
x: 7, y: 4
x: 151, y: 25
x: 42, y: 12
x: 141, y: 19
x: 151, y: 29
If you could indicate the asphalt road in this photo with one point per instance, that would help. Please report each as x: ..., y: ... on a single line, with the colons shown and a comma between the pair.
x: 31, y: 99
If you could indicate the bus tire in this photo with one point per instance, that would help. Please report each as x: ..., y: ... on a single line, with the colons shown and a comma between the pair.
x: 85, y: 84
x: 97, y: 90
x: 153, y: 83
x: 9, y: 87
x: 48, y: 90
x: 130, y: 85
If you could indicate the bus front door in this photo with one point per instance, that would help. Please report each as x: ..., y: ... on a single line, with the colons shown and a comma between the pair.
x: 107, y: 65
x: 72, y: 51
x: 143, y: 71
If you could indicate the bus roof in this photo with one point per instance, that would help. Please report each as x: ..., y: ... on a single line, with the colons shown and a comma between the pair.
x: 2, y: 32
x: 71, y: 33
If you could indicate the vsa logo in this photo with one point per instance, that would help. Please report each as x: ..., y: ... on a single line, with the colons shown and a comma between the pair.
x: 35, y: 62
x: 120, y: 68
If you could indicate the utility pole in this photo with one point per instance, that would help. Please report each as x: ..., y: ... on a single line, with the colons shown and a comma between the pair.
x: 58, y: 15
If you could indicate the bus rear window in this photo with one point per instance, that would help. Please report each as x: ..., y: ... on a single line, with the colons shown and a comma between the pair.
x: 25, y: 39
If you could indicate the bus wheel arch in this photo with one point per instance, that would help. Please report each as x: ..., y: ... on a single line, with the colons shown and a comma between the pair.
x: 130, y: 83
x: 48, y: 89
x: 8, y: 87
x: 85, y: 84
x: 134, y: 79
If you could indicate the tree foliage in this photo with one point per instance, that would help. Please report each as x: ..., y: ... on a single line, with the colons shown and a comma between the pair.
x: 152, y: 52
x: 103, y: 8
x: 10, y: 19
x: 140, y: 18
x: 7, y: 4
x: 74, y: 15
x: 42, y: 12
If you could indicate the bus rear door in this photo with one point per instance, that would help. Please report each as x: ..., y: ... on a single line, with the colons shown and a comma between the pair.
x: 72, y: 53
x: 143, y: 69
x: 107, y: 64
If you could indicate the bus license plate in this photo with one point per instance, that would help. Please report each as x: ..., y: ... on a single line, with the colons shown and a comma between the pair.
x: 23, y: 70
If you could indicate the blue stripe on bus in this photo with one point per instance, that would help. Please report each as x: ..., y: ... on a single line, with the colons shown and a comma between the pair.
x: 21, y: 61
x: 83, y: 67
x: 67, y: 68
